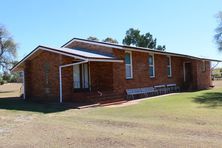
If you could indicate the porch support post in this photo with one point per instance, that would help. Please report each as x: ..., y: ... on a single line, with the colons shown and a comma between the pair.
x: 23, y: 79
x: 60, y: 77
x: 60, y: 84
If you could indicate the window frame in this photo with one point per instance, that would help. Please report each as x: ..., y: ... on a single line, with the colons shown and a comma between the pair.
x: 79, y: 76
x: 82, y: 72
x: 203, y: 66
x: 153, y: 65
x: 131, y: 65
x: 169, y: 66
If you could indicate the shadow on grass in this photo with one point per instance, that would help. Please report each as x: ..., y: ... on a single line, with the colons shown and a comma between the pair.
x: 18, y: 104
x: 210, y: 99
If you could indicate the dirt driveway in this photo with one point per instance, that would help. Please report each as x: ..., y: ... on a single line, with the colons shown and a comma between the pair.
x: 218, y: 83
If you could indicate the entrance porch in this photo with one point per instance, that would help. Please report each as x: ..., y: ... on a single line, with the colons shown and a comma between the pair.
x: 87, y: 81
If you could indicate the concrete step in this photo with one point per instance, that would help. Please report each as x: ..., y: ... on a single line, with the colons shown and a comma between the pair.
x: 113, y: 103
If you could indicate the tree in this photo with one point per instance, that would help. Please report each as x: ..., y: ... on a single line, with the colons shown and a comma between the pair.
x: 92, y: 38
x: 218, y: 30
x: 7, y: 49
x: 133, y: 37
x: 146, y: 41
x: 159, y: 47
x: 110, y: 40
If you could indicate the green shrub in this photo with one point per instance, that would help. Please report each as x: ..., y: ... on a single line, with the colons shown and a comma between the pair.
x: 1, y: 82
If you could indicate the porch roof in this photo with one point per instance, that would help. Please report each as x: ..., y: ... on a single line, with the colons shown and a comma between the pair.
x: 82, y: 54
x: 86, y: 53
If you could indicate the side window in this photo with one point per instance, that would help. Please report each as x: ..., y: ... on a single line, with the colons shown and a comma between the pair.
x: 203, y: 67
x: 128, y: 65
x: 169, y: 67
x: 80, y: 76
x: 76, y: 76
x: 46, y: 73
x: 151, y: 66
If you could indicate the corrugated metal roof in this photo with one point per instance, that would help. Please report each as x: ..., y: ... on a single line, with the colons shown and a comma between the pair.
x: 139, y: 49
x: 82, y: 54
x: 85, y: 53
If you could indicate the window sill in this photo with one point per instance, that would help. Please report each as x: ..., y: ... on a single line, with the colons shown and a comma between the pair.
x: 152, y: 77
x: 80, y: 89
x: 129, y: 78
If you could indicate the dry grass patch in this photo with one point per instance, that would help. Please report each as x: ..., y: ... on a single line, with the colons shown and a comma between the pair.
x: 182, y: 120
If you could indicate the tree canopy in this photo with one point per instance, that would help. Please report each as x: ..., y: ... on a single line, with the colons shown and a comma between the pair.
x: 133, y: 37
x: 8, y: 50
x: 93, y: 38
x: 110, y: 40
x: 218, y: 30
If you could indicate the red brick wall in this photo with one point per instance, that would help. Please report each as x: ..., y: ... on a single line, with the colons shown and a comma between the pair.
x: 203, y: 77
x: 106, y: 76
x: 141, y: 76
x: 201, y: 80
x: 36, y: 87
x: 101, y: 78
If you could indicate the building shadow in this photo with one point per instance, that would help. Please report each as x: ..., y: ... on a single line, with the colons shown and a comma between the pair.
x: 210, y: 99
x: 18, y: 104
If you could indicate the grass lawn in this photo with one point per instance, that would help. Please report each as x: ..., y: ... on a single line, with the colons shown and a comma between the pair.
x: 182, y: 120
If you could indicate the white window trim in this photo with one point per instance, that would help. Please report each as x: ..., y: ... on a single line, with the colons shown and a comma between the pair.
x: 152, y: 65
x: 81, y: 67
x: 131, y: 64
x: 203, y: 66
x: 169, y: 66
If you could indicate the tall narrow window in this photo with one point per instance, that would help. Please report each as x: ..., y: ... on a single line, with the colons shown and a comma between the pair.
x: 46, y: 71
x: 76, y: 76
x: 80, y: 76
x: 85, y: 78
x: 151, y: 66
x: 169, y: 67
x: 128, y: 65
x: 203, y: 66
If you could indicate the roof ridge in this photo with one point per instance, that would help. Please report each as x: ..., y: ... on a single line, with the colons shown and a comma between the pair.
x: 144, y: 49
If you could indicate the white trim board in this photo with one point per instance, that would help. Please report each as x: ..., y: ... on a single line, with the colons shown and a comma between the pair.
x: 131, y: 64
x: 169, y: 66
x: 154, y: 74
x: 23, y: 85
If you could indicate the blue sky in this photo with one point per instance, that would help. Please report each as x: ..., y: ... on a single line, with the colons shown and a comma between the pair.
x: 183, y: 26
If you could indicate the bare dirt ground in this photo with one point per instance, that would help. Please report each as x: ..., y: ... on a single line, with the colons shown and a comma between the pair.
x: 170, y: 121
x: 218, y: 83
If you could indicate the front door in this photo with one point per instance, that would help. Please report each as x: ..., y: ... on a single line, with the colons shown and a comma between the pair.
x: 188, y: 77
